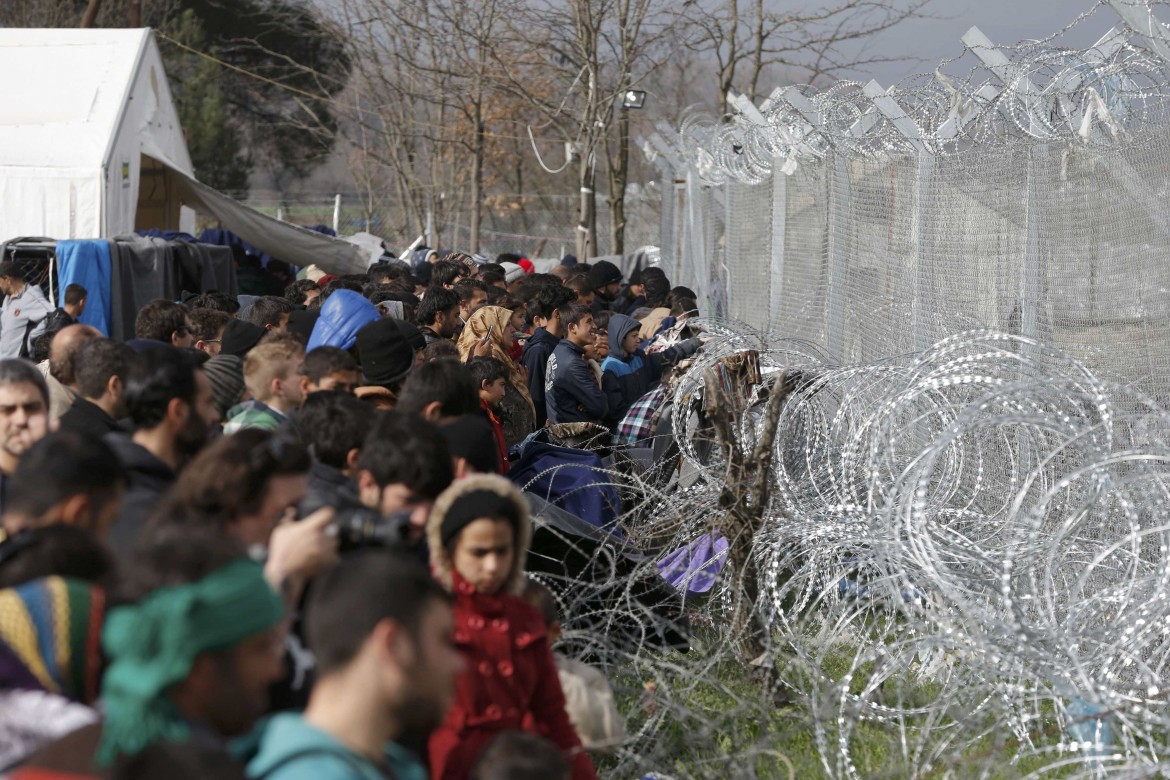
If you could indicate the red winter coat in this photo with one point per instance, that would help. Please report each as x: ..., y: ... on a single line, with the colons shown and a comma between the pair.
x: 511, y: 681
x: 498, y: 433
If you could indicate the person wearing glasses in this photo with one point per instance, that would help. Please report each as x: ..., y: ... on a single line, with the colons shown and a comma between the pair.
x: 164, y: 321
x: 208, y: 326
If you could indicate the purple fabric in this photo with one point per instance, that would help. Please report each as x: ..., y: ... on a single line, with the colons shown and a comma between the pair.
x: 695, y: 568
x: 14, y: 675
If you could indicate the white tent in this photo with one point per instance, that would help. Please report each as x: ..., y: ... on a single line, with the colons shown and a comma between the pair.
x: 91, y: 146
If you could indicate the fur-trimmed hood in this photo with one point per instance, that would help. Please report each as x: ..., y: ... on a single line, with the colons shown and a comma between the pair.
x: 441, y: 559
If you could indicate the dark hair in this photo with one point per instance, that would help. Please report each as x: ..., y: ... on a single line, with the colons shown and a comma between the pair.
x: 491, y: 268
x: 492, y: 278
x: 164, y: 373
x: 97, y: 360
x: 323, y: 361
x: 465, y: 289
x: 14, y: 371
x: 10, y: 269
x: 405, y: 449
x: 381, y: 273
x: 297, y: 292
x: 486, y: 369
x: 445, y: 272
x: 267, y: 311
x: 334, y: 286
x: 551, y: 299
x: 536, y: 594
x: 601, y: 319
x: 173, y: 554
x: 498, y: 296
x: 207, y: 324
x: 350, y: 599
x: 332, y: 424
x: 436, y: 301
x: 229, y: 478
x: 573, y: 313
x: 520, y: 755
x: 579, y: 284
x: 61, y: 465
x: 446, y: 381
x: 439, y: 350
x: 215, y: 300
x: 56, y: 550
x: 75, y: 294
x: 684, y: 306
x: 159, y: 319
x: 42, y: 347
x: 677, y: 293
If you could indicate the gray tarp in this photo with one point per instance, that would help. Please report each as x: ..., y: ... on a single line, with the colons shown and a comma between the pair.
x: 291, y: 243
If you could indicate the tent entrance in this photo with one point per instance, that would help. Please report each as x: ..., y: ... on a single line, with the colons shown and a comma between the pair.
x: 159, y: 198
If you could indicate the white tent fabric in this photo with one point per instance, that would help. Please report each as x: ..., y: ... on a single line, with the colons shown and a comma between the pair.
x: 78, y: 106
x: 78, y: 110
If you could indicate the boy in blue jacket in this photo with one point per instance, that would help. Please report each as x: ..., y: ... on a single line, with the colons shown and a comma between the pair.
x: 381, y: 630
x: 629, y: 373
x: 571, y: 390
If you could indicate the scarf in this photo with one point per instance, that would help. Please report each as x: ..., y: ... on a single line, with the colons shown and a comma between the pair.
x: 152, y: 645
x: 50, y: 633
x: 476, y: 328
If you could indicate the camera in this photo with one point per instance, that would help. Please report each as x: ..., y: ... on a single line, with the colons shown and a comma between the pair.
x: 361, y: 528
x: 358, y: 527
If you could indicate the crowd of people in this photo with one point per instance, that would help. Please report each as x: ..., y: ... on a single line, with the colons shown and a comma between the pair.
x: 272, y: 536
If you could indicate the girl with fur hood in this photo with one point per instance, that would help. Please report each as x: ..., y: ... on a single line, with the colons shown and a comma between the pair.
x: 478, y: 532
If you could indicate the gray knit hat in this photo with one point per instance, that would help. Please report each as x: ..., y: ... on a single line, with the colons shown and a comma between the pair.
x: 226, y: 373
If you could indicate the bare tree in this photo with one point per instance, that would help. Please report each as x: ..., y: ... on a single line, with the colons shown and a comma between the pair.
x: 751, y: 39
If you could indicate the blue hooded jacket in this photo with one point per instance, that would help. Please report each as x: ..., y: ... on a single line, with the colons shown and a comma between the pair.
x: 290, y: 749
x: 629, y: 377
x: 342, y: 316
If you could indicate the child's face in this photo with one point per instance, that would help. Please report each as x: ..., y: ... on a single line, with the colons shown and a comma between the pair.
x: 630, y: 342
x: 493, y: 393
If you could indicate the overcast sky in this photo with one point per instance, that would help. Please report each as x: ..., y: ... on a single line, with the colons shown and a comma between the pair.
x: 1003, y: 21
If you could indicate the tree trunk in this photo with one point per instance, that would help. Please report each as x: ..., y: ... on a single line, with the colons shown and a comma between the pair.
x: 91, y: 12
x: 476, y: 182
x: 587, y: 223
x: 619, y: 176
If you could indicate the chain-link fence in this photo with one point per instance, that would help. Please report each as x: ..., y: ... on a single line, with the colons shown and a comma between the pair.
x: 1030, y: 197
x: 544, y: 227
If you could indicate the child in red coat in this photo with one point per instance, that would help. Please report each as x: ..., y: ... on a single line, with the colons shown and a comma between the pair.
x: 478, y: 533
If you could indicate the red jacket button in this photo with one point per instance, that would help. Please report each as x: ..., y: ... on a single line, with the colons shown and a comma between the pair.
x: 493, y: 712
x: 500, y: 625
x: 485, y: 669
x: 505, y: 668
x: 476, y: 622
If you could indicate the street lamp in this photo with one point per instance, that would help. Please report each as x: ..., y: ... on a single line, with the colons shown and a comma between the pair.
x: 634, y: 98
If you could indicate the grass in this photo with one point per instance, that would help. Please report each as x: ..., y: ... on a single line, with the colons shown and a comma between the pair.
x: 709, y: 718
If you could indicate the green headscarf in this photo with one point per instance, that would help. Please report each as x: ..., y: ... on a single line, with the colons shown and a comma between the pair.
x: 152, y: 645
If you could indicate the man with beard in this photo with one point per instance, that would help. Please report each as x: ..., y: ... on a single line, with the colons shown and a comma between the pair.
x: 169, y: 399
x: 24, y: 415
x: 100, y: 374
x: 382, y: 632
x: 605, y: 281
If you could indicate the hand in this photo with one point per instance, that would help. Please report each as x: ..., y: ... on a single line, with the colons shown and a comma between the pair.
x: 482, y: 348
x: 298, y: 550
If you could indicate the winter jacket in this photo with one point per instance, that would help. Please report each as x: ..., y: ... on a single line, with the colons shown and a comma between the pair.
x: 253, y: 414
x: 89, y: 419
x: 498, y: 435
x: 535, y: 359
x: 150, y: 478
x: 342, y: 316
x: 291, y: 749
x: 571, y: 392
x: 22, y: 319
x: 515, y: 415
x: 511, y: 679
x: 630, y: 377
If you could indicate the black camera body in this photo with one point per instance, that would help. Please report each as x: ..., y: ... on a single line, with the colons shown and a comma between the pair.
x: 359, y: 528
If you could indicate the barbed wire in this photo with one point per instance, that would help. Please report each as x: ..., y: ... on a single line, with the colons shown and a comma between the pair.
x: 1032, y: 92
